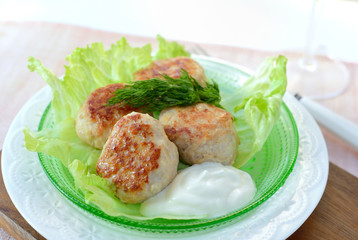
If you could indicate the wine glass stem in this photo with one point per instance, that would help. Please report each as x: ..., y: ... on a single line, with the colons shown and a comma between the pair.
x: 308, y: 62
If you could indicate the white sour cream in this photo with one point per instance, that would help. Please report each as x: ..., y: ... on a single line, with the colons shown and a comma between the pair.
x: 203, y: 190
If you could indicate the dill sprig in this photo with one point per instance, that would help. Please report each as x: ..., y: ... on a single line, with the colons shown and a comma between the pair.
x: 156, y: 94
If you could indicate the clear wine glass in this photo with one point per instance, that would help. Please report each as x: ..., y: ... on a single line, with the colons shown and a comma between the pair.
x: 312, y: 75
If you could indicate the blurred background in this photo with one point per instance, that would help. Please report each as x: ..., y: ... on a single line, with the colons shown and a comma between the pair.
x: 273, y: 25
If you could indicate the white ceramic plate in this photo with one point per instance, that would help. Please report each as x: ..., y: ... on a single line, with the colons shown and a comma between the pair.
x: 55, y: 217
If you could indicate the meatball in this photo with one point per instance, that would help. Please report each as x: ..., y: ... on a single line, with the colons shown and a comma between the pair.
x: 202, y: 133
x: 94, y: 120
x: 138, y: 158
x: 172, y: 67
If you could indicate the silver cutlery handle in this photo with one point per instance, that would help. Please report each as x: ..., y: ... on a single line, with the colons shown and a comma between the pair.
x: 343, y: 128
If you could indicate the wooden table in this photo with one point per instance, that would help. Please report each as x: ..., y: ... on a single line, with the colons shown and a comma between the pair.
x: 336, y: 216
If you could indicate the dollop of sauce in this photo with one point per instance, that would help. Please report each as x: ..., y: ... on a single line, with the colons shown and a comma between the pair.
x: 202, y: 191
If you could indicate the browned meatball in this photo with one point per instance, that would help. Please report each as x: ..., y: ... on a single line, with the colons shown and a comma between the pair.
x: 138, y: 158
x: 94, y: 120
x: 202, y: 133
x: 172, y: 67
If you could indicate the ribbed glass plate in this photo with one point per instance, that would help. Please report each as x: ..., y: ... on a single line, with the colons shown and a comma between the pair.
x: 269, y: 168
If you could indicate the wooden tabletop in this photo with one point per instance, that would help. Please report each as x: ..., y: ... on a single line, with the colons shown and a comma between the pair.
x: 336, y: 216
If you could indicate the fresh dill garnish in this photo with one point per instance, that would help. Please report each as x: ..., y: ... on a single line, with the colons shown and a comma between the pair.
x: 156, y: 94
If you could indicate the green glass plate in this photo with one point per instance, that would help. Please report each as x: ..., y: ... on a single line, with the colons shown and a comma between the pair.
x: 269, y: 168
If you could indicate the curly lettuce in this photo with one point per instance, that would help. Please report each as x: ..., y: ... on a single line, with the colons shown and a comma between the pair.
x: 169, y: 49
x: 255, y: 106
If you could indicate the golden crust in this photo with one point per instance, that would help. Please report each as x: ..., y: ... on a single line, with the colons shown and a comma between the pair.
x: 123, y: 158
x: 202, y: 132
x: 136, y: 154
x: 94, y: 120
x: 172, y: 67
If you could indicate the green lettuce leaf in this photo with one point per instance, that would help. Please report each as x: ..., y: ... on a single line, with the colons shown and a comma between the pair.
x: 62, y: 142
x: 169, y: 49
x: 100, y: 192
x: 256, y: 106
x: 88, y: 69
